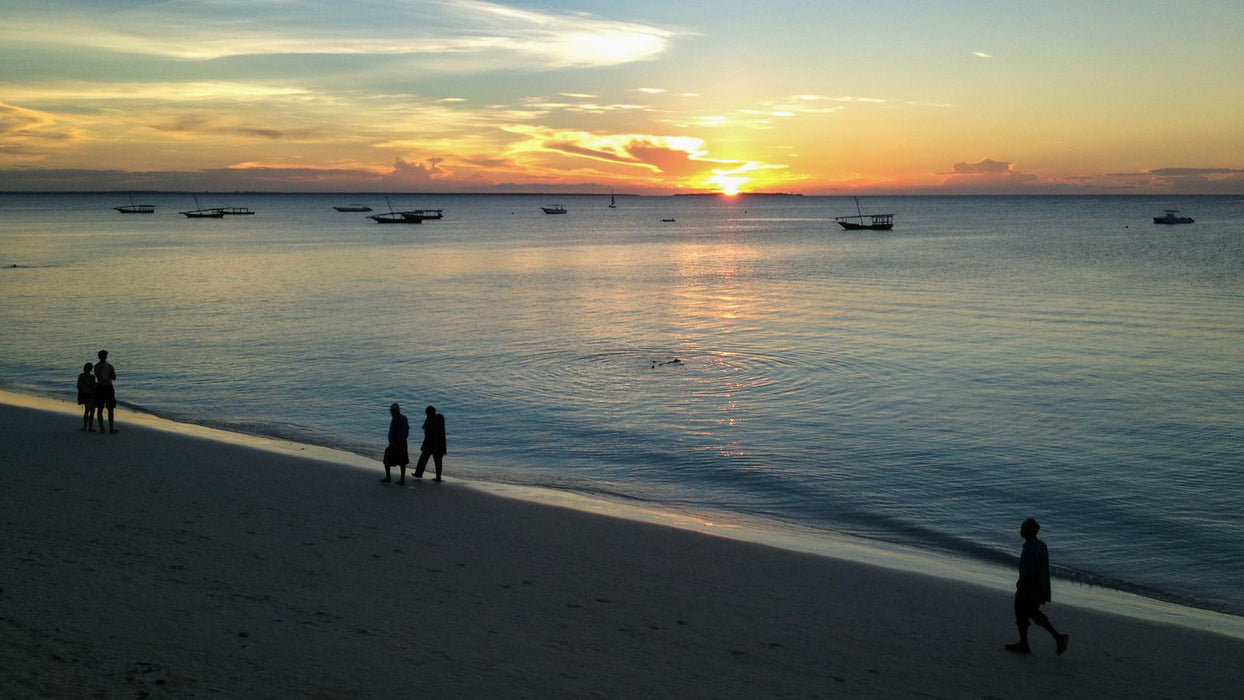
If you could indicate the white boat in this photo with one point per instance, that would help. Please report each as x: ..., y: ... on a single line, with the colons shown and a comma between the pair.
x: 1172, y: 217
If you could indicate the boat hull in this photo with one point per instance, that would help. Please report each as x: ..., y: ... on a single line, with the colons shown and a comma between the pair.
x: 136, y: 209
x: 1173, y: 220
x: 204, y: 214
x: 852, y: 226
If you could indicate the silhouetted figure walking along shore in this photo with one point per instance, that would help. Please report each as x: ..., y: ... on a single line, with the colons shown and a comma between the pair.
x: 433, y: 442
x: 1033, y: 589
x: 396, y: 454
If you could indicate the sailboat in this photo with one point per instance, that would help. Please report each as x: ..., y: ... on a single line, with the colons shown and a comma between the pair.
x: 613, y: 204
x: 865, y: 222
x: 412, y: 216
x: 133, y: 208
x: 197, y: 213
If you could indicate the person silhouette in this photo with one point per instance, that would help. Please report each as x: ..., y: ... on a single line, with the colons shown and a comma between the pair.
x: 86, y: 397
x: 434, y: 445
x: 1033, y: 589
x: 105, y: 392
x: 396, y: 453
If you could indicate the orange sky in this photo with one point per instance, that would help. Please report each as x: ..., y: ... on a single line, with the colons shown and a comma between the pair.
x: 643, y: 97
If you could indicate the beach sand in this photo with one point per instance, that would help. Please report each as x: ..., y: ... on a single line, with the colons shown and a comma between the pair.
x: 154, y: 563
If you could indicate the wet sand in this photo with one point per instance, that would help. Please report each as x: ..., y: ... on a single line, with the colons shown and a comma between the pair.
x: 166, y: 563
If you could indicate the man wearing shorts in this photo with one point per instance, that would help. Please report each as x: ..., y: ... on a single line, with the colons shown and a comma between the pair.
x: 105, y: 392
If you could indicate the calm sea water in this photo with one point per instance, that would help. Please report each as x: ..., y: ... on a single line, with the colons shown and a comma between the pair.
x: 989, y: 359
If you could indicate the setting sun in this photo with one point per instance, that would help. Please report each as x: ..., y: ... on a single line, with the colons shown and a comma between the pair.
x: 486, y: 96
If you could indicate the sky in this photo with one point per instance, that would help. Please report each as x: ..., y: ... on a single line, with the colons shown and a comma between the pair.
x: 642, y: 96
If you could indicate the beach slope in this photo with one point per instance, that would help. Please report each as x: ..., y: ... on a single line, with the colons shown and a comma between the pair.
x: 157, y: 564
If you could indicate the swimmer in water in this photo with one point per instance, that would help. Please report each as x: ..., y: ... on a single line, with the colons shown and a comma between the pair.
x: 674, y: 361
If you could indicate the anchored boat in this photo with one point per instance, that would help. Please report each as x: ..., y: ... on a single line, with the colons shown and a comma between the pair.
x: 1172, y: 217
x: 865, y: 222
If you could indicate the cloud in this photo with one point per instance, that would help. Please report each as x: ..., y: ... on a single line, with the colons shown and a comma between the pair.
x: 471, y: 34
x: 27, y: 134
x: 988, y: 166
x: 981, y: 54
x: 989, y: 176
x: 1186, y: 172
x: 14, y: 120
x: 406, y: 172
x: 195, y: 124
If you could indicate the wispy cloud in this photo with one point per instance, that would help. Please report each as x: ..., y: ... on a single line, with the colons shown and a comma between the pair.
x: 485, y: 35
x: 1194, y: 172
x: 981, y: 54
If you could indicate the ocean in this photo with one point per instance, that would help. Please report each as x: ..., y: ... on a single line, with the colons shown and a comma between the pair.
x: 990, y: 359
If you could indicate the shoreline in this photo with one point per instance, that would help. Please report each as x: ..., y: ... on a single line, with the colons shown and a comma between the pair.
x: 892, y: 556
x: 168, y: 562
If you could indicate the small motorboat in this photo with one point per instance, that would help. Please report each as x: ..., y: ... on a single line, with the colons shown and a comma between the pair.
x: 1172, y: 217
x: 554, y: 209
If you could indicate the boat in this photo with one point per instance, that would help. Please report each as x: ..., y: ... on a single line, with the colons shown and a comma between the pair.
x: 353, y: 207
x: 667, y: 221
x: 1172, y: 217
x: 410, y: 216
x: 613, y: 204
x: 865, y: 222
x: 393, y: 217
x: 133, y: 208
x: 235, y: 211
x: 424, y: 214
x: 203, y: 214
x: 554, y: 209
x: 197, y: 213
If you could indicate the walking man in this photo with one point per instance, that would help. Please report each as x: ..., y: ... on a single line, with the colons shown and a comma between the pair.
x: 433, y: 442
x: 396, y: 454
x: 105, y: 392
x: 1033, y: 589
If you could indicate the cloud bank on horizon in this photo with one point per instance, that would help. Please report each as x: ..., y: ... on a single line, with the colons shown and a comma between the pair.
x: 472, y: 95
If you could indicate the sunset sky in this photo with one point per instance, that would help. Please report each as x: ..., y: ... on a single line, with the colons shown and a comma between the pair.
x: 643, y: 96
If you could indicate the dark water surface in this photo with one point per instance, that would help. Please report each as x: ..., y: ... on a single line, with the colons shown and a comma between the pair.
x: 989, y: 359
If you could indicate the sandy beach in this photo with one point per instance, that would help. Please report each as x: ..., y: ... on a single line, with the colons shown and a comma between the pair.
x: 158, y: 563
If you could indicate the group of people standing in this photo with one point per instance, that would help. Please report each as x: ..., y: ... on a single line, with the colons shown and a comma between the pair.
x: 433, y: 447
x: 96, y: 393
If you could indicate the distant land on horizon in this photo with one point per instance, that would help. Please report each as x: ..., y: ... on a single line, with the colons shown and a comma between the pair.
x: 409, y: 193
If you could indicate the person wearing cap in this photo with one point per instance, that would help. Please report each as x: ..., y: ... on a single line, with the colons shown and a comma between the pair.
x: 105, y: 392
x: 396, y: 453
x: 1033, y: 589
